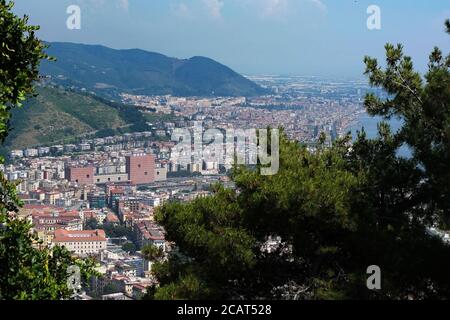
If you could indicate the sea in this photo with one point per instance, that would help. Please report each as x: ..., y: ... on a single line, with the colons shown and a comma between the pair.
x: 370, y: 125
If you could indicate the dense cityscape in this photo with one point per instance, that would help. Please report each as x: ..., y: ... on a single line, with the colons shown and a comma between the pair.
x: 318, y: 171
x: 117, y: 182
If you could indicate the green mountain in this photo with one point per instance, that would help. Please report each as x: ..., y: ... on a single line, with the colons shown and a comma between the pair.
x: 57, y: 115
x: 109, y: 72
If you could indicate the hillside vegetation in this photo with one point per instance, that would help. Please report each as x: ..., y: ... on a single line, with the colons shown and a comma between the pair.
x: 57, y: 116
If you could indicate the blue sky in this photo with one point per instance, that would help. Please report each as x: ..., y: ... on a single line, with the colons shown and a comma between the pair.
x: 302, y: 37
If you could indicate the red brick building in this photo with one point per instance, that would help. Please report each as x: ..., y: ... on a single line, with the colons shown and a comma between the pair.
x: 141, y: 169
x: 82, y: 175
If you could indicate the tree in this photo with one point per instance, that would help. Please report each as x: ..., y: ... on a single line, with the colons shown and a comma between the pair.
x: 152, y: 253
x: 117, y: 231
x: 129, y: 247
x: 21, y: 53
x: 312, y: 230
x: 91, y: 224
x: 26, y: 272
x: 423, y: 105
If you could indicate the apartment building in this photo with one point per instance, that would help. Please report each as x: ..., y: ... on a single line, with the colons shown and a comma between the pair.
x: 89, y: 242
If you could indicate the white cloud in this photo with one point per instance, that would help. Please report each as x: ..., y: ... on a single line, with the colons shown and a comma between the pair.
x: 214, y: 8
x: 95, y: 3
x: 274, y: 7
x: 120, y: 4
x: 281, y: 8
x: 264, y: 8
x: 319, y: 4
x: 181, y: 10
x: 123, y: 4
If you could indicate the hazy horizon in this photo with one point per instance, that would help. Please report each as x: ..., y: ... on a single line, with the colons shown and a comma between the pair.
x: 324, y: 38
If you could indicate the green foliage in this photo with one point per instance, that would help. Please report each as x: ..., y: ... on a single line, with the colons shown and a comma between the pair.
x: 159, y: 119
x: 21, y: 53
x: 91, y: 224
x: 128, y: 113
x: 26, y: 270
x: 152, y: 253
x: 185, y: 287
x: 423, y: 105
x: 77, y: 115
x: 311, y: 231
x: 94, y: 113
x: 108, y: 132
x: 113, y: 230
x: 129, y: 247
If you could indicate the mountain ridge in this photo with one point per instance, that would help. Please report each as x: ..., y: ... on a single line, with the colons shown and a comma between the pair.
x: 109, y: 72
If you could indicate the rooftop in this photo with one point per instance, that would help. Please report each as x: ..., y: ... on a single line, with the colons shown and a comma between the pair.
x: 79, y: 236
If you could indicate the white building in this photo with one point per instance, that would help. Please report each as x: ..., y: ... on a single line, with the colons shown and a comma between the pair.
x: 84, y: 147
x: 31, y: 152
x: 16, y: 154
x: 89, y: 242
x: 43, y: 151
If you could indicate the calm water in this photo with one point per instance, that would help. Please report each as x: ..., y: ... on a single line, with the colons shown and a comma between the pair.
x: 370, y: 125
